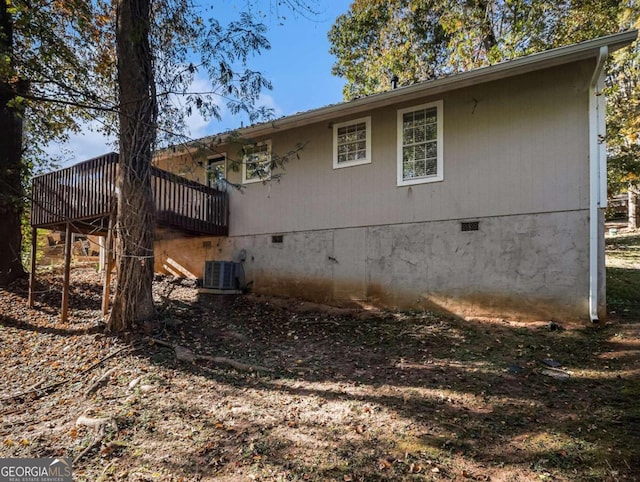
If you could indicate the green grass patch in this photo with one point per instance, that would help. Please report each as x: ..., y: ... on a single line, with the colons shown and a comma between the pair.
x: 629, y: 239
x: 623, y: 290
x: 623, y: 274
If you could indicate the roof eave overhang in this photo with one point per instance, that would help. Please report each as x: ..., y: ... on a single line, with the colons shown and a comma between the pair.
x: 502, y: 70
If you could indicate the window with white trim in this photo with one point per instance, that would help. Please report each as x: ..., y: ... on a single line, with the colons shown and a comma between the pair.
x: 352, y: 143
x: 256, y: 162
x: 420, y: 149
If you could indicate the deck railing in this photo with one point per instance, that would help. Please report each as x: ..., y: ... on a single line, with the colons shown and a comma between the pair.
x: 80, y: 192
x: 188, y: 205
x: 85, y: 194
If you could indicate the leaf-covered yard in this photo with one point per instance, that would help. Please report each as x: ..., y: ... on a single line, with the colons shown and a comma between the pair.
x: 334, y: 394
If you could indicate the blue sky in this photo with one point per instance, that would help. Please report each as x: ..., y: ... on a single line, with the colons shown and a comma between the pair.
x: 298, y: 65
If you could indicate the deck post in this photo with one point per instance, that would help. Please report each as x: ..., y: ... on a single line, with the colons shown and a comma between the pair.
x: 67, y: 269
x: 108, y: 250
x: 103, y: 254
x: 32, y: 275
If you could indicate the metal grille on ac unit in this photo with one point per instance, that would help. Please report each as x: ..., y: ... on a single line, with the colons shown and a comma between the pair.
x: 220, y: 275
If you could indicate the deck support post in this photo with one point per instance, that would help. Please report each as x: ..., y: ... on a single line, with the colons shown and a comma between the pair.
x: 103, y: 254
x: 67, y: 269
x: 108, y: 266
x: 32, y: 274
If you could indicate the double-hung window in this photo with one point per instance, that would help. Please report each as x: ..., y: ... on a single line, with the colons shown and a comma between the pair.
x: 256, y: 162
x: 352, y: 143
x: 420, y: 148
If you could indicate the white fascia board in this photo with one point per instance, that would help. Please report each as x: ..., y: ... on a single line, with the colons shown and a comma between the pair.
x: 509, y: 68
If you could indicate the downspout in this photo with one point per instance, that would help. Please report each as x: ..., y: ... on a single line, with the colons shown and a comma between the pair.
x: 597, y: 176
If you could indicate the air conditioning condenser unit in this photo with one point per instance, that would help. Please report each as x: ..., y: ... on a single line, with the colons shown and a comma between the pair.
x: 222, y: 275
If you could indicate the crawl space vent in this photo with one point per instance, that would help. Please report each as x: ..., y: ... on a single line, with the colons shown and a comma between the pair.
x: 470, y: 226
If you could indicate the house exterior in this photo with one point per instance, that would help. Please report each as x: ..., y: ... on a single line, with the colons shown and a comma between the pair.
x: 481, y: 193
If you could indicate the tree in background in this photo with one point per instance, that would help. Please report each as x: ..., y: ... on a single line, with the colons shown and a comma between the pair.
x: 44, y: 77
x: 418, y: 40
x: 378, y: 39
x: 623, y: 119
x: 11, y: 173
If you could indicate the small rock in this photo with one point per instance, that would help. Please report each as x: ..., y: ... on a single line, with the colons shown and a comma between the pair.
x: 555, y: 373
x: 551, y: 363
x: 134, y: 382
x: 514, y: 370
x: 553, y: 326
x: 184, y: 354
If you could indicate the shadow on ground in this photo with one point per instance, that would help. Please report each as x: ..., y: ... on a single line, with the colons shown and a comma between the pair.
x: 456, y: 399
x: 386, y: 396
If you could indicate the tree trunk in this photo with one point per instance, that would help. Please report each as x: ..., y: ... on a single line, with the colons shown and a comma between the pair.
x: 632, y: 215
x: 11, y: 167
x: 135, y: 224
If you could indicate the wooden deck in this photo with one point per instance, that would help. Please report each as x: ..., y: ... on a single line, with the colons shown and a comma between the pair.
x: 85, y: 195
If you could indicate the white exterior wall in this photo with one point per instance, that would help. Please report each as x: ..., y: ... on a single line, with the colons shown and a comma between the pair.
x: 515, y: 160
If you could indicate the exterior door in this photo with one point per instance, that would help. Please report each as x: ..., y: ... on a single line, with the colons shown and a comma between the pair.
x: 217, y: 172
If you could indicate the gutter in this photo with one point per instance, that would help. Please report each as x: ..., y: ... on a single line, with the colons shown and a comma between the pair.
x: 505, y: 69
x: 501, y: 70
x: 597, y: 176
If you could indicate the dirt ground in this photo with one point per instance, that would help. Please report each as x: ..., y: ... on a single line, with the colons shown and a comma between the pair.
x: 254, y: 388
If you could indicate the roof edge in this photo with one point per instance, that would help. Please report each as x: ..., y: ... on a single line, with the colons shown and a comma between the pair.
x: 508, y: 68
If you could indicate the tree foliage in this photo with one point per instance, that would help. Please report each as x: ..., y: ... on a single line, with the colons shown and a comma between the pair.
x: 418, y: 40
x: 43, y: 56
x: 623, y: 111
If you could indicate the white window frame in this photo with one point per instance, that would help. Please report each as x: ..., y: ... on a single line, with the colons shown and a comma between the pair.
x: 217, y: 159
x: 439, y: 175
x: 355, y: 162
x: 245, y: 159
